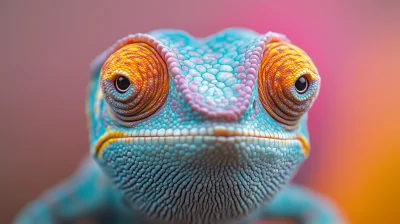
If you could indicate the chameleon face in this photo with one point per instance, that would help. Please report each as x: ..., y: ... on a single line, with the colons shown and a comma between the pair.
x: 201, y: 129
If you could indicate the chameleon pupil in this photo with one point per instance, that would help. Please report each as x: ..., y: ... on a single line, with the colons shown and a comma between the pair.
x: 122, y: 84
x: 301, y: 85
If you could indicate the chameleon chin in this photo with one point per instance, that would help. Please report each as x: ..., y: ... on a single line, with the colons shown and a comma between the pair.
x: 187, y: 130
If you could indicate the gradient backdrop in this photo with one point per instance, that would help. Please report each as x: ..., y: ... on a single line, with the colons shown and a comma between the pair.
x: 46, y: 48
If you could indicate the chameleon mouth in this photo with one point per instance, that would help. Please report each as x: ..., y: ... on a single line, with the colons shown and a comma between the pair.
x: 216, y: 133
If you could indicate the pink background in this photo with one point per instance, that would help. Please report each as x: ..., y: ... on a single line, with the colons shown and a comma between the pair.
x: 46, y: 48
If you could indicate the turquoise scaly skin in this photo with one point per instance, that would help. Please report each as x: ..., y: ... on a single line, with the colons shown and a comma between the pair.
x: 210, y: 154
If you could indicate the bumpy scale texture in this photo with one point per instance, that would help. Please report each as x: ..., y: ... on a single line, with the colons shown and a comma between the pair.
x: 148, y: 74
x: 283, y: 64
x: 208, y: 131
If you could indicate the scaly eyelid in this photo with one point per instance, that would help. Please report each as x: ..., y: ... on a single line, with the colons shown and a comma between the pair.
x: 149, y: 80
x: 282, y: 65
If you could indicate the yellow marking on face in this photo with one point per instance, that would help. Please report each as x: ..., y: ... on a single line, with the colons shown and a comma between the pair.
x: 305, y: 146
x: 105, y: 140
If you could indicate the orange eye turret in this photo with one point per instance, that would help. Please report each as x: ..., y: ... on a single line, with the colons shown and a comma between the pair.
x: 134, y: 81
x: 288, y: 82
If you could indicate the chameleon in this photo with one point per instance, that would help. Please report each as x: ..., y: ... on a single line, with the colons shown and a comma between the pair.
x: 193, y: 130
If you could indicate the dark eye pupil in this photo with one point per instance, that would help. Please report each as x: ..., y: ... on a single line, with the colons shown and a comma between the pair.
x: 122, y: 84
x: 301, y: 85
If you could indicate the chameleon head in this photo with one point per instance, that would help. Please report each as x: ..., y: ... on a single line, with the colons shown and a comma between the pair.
x: 201, y: 130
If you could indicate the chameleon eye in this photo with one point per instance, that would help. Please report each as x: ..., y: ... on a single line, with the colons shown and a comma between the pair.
x: 134, y: 81
x: 288, y: 82
x: 122, y: 84
x: 301, y: 85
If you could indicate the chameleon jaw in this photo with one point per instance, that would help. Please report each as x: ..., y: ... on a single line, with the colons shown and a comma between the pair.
x: 215, y: 133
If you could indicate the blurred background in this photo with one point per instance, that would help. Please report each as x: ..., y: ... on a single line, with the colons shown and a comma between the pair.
x: 46, y: 48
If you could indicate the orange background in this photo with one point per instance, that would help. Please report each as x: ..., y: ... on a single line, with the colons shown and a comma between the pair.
x: 46, y: 48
